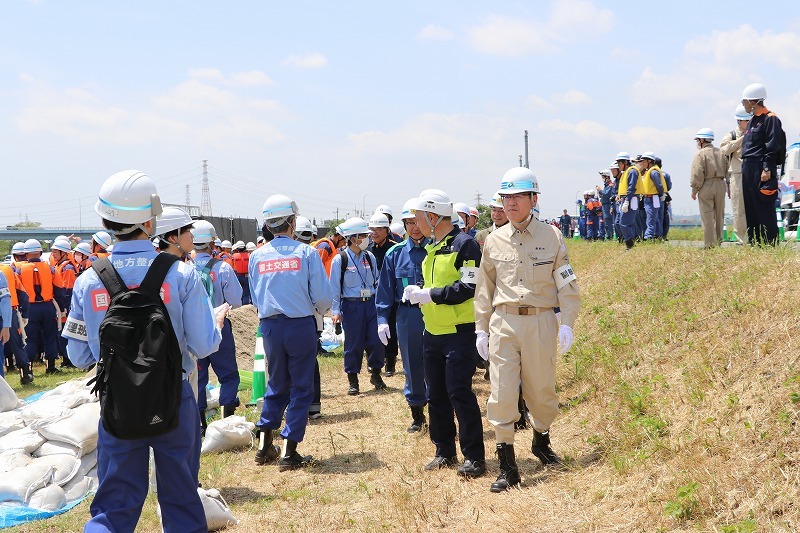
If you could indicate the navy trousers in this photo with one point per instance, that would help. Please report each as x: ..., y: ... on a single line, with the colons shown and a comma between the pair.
x: 223, y: 361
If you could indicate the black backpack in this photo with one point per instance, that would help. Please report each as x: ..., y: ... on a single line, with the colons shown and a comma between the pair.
x: 345, y: 260
x: 140, y: 369
x: 780, y: 154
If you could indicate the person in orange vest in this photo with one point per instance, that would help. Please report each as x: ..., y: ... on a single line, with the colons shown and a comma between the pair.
x: 37, y: 278
x: 80, y: 257
x: 328, y: 249
x: 65, y: 275
x: 18, y: 253
x: 14, y: 348
x: 241, y: 262
x: 594, y: 210
x: 225, y: 252
x: 100, y: 243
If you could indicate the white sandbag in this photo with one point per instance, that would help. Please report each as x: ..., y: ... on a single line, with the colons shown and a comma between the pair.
x: 8, y: 398
x: 11, y: 459
x: 49, y: 498
x: 212, y: 398
x: 18, y: 484
x: 79, y: 430
x: 79, y: 487
x: 45, y: 411
x: 53, y: 447
x: 88, y: 462
x: 228, y: 434
x: 65, y: 466
x: 10, y: 421
x: 25, y: 439
x: 69, y: 387
x: 218, y: 514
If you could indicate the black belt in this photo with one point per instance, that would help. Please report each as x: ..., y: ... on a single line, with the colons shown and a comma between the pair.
x: 407, y: 304
x: 357, y: 299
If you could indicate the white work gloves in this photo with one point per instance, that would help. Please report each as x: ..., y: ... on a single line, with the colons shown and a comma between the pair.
x: 384, y: 334
x: 415, y: 295
x: 565, y: 338
x: 220, y: 313
x: 482, y: 344
x: 625, y: 206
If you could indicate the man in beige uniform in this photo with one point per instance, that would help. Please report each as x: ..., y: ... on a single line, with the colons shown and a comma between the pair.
x: 731, y: 147
x: 524, y: 274
x: 708, y: 180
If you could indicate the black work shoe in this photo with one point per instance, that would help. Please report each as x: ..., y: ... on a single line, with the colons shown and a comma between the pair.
x: 228, y: 410
x: 540, y: 447
x: 294, y: 461
x: 509, y: 473
x: 441, y: 462
x: 419, y: 421
x: 266, y: 452
x: 472, y: 468
x: 203, y: 422
x: 53, y: 370
x: 25, y: 376
x: 391, y: 363
x: 353, y: 380
x: 66, y: 363
x: 376, y: 379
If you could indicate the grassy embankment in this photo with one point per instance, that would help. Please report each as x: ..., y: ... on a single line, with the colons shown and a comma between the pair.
x: 680, y: 402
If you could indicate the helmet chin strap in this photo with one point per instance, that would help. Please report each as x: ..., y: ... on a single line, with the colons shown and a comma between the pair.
x: 131, y: 229
x: 433, y: 226
x: 524, y: 224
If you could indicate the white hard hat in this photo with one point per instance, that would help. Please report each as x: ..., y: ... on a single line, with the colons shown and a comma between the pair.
x: 128, y: 197
x: 649, y: 155
x: 102, y: 238
x: 18, y: 248
x: 217, y: 242
x: 385, y: 209
x: 32, y: 245
x: 277, y: 209
x: 353, y: 226
x: 61, y: 238
x: 613, y: 165
x: 605, y: 173
x: 434, y: 201
x: 496, y: 201
x: 250, y: 246
x: 587, y: 192
x: 171, y: 219
x: 706, y: 134
x: 397, y: 228
x: 302, y: 225
x: 519, y: 180
x: 110, y: 249
x: 202, y: 232
x: 408, y: 209
x: 754, y: 91
x: 238, y: 245
x: 314, y: 229
x: 623, y: 156
x: 61, y: 244
x: 83, y: 247
x: 378, y: 220
x: 742, y: 114
x: 225, y: 244
x: 261, y: 238
x: 156, y: 242
x: 461, y: 207
x: 456, y: 220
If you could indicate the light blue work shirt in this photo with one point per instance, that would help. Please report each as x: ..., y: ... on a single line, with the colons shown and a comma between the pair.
x: 287, y: 278
x: 226, y: 285
x: 185, y: 298
x: 402, y: 266
x: 5, y: 302
x: 357, y: 276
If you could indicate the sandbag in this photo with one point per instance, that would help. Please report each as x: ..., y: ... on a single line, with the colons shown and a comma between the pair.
x: 25, y: 439
x: 49, y: 498
x: 88, y: 463
x: 8, y: 398
x: 20, y: 483
x: 212, y: 398
x: 69, y: 387
x: 11, y: 459
x: 228, y: 434
x: 65, y: 466
x: 45, y: 411
x: 10, y: 421
x: 218, y: 514
x: 80, y: 429
x: 53, y: 447
x: 79, y: 487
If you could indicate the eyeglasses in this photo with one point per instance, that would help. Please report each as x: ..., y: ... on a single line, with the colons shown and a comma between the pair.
x: 518, y: 196
x: 410, y: 222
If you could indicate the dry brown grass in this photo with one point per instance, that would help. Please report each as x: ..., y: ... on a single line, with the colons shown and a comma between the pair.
x: 680, y: 404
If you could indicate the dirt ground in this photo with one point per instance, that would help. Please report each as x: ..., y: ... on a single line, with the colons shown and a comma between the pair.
x: 244, y: 323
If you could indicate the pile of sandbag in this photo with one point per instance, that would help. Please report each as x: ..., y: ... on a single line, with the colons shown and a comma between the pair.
x: 329, y: 339
x: 48, y: 448
x: 231, y: 433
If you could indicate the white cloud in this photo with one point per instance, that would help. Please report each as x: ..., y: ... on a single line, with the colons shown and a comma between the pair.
x: 237, y: 79
x: 569, y: 21
x: 572, y: 97
x: 434, y: 32
x: 315, y: 60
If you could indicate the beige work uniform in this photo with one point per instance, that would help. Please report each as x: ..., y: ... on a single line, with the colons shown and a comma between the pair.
x: 709, y: 169
x: 517, y: 271
x: 732, y: 149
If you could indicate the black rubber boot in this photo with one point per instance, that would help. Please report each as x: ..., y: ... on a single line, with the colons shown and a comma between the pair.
x: 292, y: 460
x: 228, y: 410
x: 418, y: 419
x: 51, y: 367
x: 541, y: 449
x: 66, y: 363
x: 25, y: 374
x: 376, y: 379
x: 203, y: 422
x: 629, y: 244
x: 266, y: 452
x: 353, y: 380
x: 522, y: 423
x: 509, y: 473
x: 391, y: 364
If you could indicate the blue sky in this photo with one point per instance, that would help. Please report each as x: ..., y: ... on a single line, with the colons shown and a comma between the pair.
x: 353, y: 104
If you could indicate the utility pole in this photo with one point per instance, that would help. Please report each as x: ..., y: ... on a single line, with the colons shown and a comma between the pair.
x: 526, y: 150
x: 205, y: 194
x: 520, y: 159
x: 478, y: 198
x: 188, y: 198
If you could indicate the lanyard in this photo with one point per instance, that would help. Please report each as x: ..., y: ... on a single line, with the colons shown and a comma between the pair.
x: 355, y: 264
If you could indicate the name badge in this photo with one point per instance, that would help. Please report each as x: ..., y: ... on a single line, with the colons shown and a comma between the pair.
x: 365, y: 293
x: 469, y: 274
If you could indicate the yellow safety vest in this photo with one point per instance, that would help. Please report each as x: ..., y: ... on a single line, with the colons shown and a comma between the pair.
x: 648, y: 187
